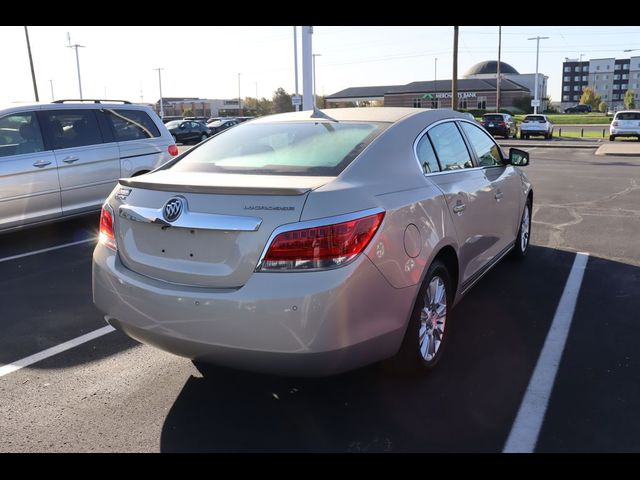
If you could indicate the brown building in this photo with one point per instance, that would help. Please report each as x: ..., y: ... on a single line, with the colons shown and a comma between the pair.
x: 477, y: 90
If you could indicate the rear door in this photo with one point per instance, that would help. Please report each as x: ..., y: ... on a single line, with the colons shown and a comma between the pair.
x: 466, y: 190
x: 87, y: 158
x: 29, y: 187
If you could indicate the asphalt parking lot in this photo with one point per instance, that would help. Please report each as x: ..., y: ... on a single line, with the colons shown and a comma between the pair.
x: 111, y: 394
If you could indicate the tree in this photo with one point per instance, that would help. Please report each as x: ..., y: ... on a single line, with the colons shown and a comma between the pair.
x: 258, y: 107
x: 320, y: 101
x: 188, y: 113
x: 630, y: 99
x: 282, y: 101
x: 590, y: 97
x: 603, y: 107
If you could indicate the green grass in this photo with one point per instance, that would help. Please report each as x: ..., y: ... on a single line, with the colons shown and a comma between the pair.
x: 575, y: 119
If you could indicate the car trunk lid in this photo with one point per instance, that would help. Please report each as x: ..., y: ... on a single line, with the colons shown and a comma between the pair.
x: 223, y: 225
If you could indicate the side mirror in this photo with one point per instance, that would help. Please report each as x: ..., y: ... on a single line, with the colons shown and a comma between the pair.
x: 518, y: 158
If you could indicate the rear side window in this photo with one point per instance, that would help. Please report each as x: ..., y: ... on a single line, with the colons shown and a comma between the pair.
x: 628, y: 116
x: 450, y: 147
x: 131, y: 124
x: 288, y: 148
x: 72, y: 128
x: 486, y: 149
x: 20, y: 133
x: 427, y: 156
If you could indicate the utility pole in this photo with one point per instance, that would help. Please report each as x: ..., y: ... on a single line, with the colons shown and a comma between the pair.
x: 33, y: 73
x: 239, y: 98
x: 160, y: 85
x: 295, y: 61
x: 454, y: 80
x: 51, y: 83
x: 498, y: 71
x: 314, y: 77
x: 537, y: 39
x: 307, y: 74
x: 256, y: 91
x: 435, y: 79
x: 76, y: 47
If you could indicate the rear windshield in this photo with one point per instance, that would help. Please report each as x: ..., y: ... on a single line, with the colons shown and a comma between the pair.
x: 534, y: 118
x: 316, y: 149
x: 493, y: 118
x: 628, y: 116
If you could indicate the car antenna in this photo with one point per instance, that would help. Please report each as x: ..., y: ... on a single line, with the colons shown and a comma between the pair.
x: 319, y: 114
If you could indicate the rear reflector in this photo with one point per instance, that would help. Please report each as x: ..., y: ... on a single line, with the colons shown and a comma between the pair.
x: 322, y: 247
x: 173, y: 150
x: 106, y: 236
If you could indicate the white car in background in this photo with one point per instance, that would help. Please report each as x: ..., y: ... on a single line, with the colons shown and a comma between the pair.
x: 536, y: 125
x: 626, y: 123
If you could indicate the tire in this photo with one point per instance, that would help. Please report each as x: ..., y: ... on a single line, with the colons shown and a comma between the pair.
x: 203, y: 137
x: 524, y: 233
x: 420, y: 357
x: 612, y: 138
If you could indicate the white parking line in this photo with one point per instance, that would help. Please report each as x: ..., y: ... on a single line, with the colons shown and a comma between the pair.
x: 50, y: 352
x: 526, y: 428
x: 79, y: 242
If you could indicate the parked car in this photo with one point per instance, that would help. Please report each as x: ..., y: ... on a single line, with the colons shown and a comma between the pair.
x: 536, y: 125
x: 626, y: 123
x: 244, y: 119
x: 220, y: 125
x: 197, y: 119
x: 501, y: 124
x: 188, y: 131
x: 312, y: 244
x: 63, y: 158
x: 578, y: 109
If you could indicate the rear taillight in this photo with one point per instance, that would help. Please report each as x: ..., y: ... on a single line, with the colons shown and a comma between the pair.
x: 107, y: 236
x: 615, y: 124
x: 321, y: 247
x: 173, y: 150
x: 483, y: 123
x: 502, y: 124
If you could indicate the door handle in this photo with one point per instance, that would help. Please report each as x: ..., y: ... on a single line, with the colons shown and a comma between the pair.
x: 70, y: 159
x: 42, y: 163
x: 498, y: 196
x: 459, y: 208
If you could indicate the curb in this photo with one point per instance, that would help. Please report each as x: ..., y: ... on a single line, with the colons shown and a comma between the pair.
x: 550, y: 145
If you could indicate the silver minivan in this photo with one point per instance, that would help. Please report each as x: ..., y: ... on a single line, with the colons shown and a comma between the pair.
x: 63, y: 158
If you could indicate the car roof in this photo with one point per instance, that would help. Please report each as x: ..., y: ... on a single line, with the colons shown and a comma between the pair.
x: 22, y: 106
x: 362, y: 114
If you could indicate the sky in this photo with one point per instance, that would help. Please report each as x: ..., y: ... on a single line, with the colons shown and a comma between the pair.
x: 119, y: 62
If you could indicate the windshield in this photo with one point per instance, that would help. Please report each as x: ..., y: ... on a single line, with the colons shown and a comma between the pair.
x: 317, y: 149
x: 173, y: 124
x: 493, y: 118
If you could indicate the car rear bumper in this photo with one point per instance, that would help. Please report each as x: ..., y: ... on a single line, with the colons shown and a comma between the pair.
x: 498, y: 130
x: 307, y: 323
x: 624, y: 132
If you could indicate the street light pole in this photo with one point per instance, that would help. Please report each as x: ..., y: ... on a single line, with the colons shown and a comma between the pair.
x: 454, y: 80
x: 435, y: 79
x: 33, y: 73
x: 239, y: 97
x: 295, y: 61
x: 498, y: 71
x: 537, y: 39
x: 160, y: 85
x: 76, y: 47
x: 314, y: 77
x: 51, y: 83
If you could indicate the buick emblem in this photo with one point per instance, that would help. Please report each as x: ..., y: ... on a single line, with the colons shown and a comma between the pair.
x: 172, y: 209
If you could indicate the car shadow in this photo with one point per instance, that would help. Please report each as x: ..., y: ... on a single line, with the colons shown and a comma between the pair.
x: 467, y: 404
